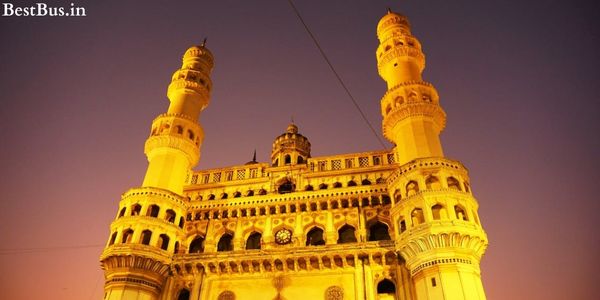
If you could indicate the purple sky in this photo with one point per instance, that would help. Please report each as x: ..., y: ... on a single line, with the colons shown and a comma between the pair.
x: 519, y: 82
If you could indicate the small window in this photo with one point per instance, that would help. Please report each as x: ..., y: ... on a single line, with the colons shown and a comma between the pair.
x: 153, y: 210
x: 433, y: 283
x: 146, y: 236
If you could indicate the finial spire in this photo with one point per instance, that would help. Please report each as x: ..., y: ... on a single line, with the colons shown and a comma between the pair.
x: 292, y: 119
x: 204, y: 42
x: 254, y: 156
x: 389, y: 10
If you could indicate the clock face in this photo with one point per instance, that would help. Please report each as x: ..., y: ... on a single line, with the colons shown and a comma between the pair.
x: 283, y: 236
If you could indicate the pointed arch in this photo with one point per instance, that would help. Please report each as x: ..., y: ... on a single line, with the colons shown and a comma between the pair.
x: 254, y: 241
x: 225, y: 243
x: 197, y: 245
x: 379, y: 231
x: 346, y: 234
x: 314, y: 237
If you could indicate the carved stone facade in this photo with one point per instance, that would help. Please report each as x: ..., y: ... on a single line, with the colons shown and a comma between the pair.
x: 391, y: 224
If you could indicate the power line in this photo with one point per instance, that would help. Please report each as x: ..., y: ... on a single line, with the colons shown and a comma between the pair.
x: 339, y: 78
x: 8, y: 251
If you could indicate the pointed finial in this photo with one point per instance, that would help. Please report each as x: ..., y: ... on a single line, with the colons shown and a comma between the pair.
x: 389, y: 10
x: 292, y: 118
x: 254, y: 156
x: 204, y: 42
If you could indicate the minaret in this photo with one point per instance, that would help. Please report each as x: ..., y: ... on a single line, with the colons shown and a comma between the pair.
x: 149, y: 226
x: 412, y: 116
x: 173, y: 147
x: 437, y: 228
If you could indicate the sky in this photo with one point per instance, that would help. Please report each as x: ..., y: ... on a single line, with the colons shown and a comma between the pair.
x: 518, y: 80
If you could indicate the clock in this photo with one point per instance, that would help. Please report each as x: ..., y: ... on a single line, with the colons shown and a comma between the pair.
x: 283, y: 236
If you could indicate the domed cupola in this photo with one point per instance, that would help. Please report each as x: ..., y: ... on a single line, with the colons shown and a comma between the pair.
x: 290, y: 148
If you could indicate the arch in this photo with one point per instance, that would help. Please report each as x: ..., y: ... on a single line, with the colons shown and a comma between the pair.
x: 197, y: 245
x: 417, y: 216
x: 122, y: 212
x: 170, y: 216
x: 346, y: 234
x: 190, y: 134
x: 402, y: 225
x: 224, y: 196
x: 153, y: 210
x: 226, y: 295
x: 225, y: 243
x: 163, y: 241
x: 276, y: 163
x: 300, y: 159
x: 286, y: 186
x: 113, y: 238
x: 437, y: 211
x: 249, y: 193
x: 127, y: 235
x: 398, y: 100
x: 136, y: 209
x: 146, y: 236
x: 460, y: 213
x: 351, y: 183
x: 337, y: 185
x: 323, y: 186
x: 308, y: 188
x: 262, y: 192
x: 397, y: 196
x: 176, y: 248
x: 432, y: 183
x: 237, y: 195
x: 211, y: 197
x: 184, y: 294
x: 453, y: 183
x: 385, y: 199
x: 254, y: 241
x: 380, y: 180
x: 412, y: 187
x: 365, y: 182
x: 181, y: 222
x: 386, y: 286
x: 287, y: 159
x: 388, y: 108
x: 314, y: 237
x: 378, y: 231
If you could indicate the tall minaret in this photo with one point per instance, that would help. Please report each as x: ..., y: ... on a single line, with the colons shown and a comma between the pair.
x: 412, y: 116
x: 437, y: 228
x: 173, y: 147
x: 148, y: 228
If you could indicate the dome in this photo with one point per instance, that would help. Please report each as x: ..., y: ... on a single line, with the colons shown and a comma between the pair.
x: 290, y: 147
x: 198, y: 53
x: 292, y: 128
x: 391, y: 21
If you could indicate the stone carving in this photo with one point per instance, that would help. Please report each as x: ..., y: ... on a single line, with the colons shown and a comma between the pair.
x: 226, y: 295
x: 334, y: 293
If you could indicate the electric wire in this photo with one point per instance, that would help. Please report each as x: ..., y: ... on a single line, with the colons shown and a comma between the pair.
x: 9, y: 251
x: 339, y: 78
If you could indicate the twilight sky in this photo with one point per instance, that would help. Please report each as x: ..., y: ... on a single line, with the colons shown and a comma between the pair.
x: 519, y: 82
